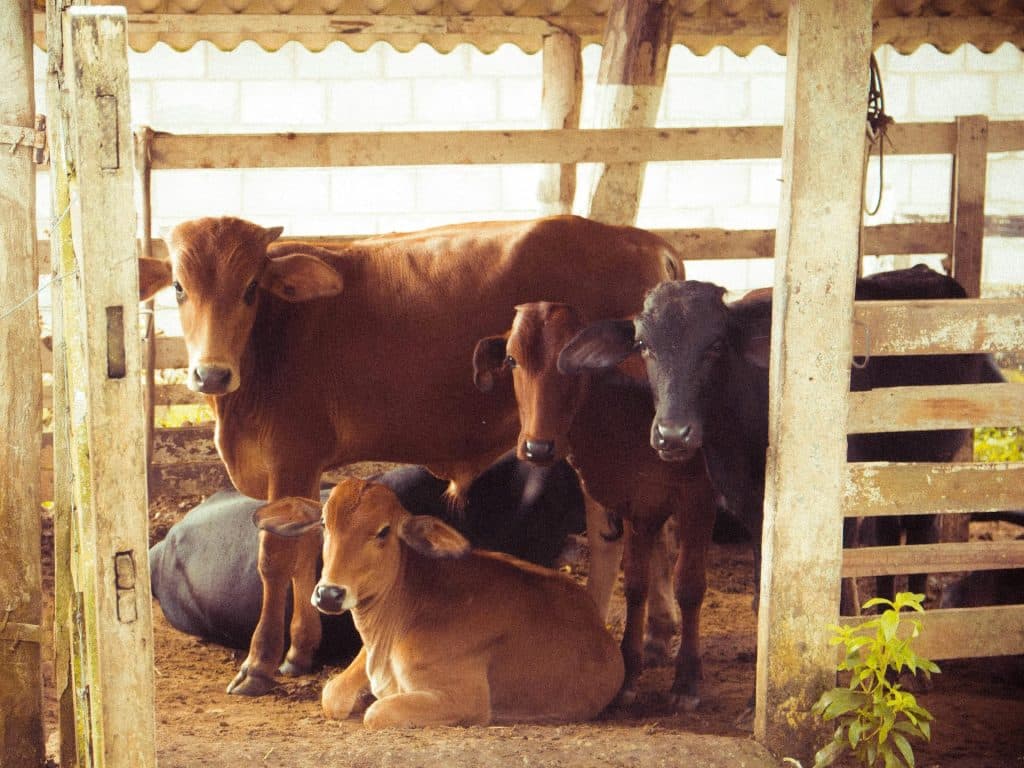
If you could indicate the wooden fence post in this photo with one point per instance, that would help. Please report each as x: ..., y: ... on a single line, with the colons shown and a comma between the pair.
x: 21, y: 699
x: 829, y: 46
x: 560, y: 108
x: 110, y: 536
x: 638, y: 37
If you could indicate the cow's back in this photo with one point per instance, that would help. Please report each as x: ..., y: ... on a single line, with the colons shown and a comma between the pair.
x: 389, y: 360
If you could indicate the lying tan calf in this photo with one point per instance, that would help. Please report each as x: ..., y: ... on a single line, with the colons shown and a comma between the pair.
x: 450, y: 636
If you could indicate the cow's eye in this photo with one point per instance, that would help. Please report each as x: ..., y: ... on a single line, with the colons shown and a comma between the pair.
x: 179, y: 292
x: 716, y: 349
x: 249, y: 297
x: 382, y: 534
x: 641, y: 347
x: 511, y: 362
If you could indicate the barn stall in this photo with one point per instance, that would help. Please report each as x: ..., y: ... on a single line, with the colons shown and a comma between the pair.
x: 633, y: 63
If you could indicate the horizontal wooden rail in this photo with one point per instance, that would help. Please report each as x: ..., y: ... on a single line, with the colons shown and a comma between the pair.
x: 932, y: 558
x: 902, y: 409
x: 580, y: 145
x: 938, y: 326
x: 882, y: 488
x: 965, y: 633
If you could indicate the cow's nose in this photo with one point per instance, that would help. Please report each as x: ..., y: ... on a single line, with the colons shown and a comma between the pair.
x: 211, y: 379
x: 328, y: 598
x: 669, y: 435
x: 539, y: 450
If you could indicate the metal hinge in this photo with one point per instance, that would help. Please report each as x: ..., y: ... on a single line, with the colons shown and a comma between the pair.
x: 30, y: 138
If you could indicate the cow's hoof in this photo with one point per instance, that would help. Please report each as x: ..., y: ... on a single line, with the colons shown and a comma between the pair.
x: 627, y: 697
x: 291, y: 669
x: 250, y: 683
x: 684, y: 702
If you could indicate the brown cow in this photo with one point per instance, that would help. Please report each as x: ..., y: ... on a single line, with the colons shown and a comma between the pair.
x: 317, y: 357
x: 601, y: 422
x: 450, y: 636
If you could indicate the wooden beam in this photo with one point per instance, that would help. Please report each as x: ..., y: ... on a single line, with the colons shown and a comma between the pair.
x: 817, y: 243
x: 938, y: 326
x: 876, y: 488
x: 21, y: 695
x: 104, y: 380
x: 611, y: 145
x: 932, y: 558
x: 963, y: 633
x: 560, y: 109
x: 634, y: 59
x: 903, y: 409
x: 967, y: 208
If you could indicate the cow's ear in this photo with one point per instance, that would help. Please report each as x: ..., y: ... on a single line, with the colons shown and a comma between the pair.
x: 489, y: 359
x: 757, y: 349
x: 289, y: 517
x: 300, y: 277
x: 431, y: 537
x: 600, y: 345
x: 272, y: 233
x: 154, y: 274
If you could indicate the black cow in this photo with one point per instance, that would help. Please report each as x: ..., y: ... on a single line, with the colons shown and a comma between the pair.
x: 707, y: 363
x: 204, y: 571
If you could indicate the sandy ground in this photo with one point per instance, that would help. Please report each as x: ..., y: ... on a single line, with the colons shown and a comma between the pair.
x: 978, y: 707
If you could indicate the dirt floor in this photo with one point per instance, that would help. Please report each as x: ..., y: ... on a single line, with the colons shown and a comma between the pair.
x: 978, y: 705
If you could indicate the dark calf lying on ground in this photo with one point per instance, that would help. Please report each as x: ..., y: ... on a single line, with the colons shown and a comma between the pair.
x: 600, y: 422
x: 204, y: 571
x: 707, y: 363
x: 451, y: 636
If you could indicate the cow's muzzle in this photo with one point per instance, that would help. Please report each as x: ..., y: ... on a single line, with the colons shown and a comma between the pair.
x: 328, y: 598
x: 212, y: 379
x: 675, y: 441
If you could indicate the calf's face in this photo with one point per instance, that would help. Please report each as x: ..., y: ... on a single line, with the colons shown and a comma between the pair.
x: 365, y: 527
x: 220, y: 268
x: 547, y: 399
x: 682, y: 333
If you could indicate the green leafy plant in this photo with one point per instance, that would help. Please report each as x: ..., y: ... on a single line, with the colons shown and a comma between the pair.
x: 876, y: 717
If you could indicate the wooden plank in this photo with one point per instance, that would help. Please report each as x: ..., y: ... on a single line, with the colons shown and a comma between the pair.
x: 184, y: 445
x: 634, y: 58
x: 560, y: 109
x: 379, y: 148
x: 21, y: 696
x: 106, y: 397
x: 938, y: 326
x: 967, y: 209
x: 877, y: 488
x: 170, y: 353
x: 817, y: 243
x: 195, y: 479
x: 964, y: 633
x: 902, y: 409
x: 932, y: 558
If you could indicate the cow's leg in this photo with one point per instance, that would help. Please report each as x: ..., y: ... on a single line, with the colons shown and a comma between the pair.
x: 469, y: 705
x: 344, y: 692
x: 277, y: 559
x: 920, y: 529
x: 662, y: 606
x: 605, y: 556
x: 636, y: 570
x: 305, y: 629
x: 695, y: 524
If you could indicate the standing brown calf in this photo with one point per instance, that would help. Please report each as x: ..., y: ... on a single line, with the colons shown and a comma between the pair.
x: 601, y: 422
x: 450, y: 636
x: 317, y: 357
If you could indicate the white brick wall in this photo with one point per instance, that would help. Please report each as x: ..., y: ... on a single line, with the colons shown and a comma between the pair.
x: 249, y: 89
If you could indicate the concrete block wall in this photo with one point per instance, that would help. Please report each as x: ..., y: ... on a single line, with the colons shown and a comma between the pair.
x: 251, y: 90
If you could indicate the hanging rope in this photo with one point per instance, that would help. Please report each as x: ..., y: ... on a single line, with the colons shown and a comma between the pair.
x: 878, y: 124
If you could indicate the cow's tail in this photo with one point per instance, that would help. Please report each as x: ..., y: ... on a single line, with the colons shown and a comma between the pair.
x: 672, y: 261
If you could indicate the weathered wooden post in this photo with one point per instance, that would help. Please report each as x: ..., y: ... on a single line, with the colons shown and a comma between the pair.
x: 816, y: 247
x: 21, y: 697
x: 632, y: 76
x: 109, y: 538
x: 560, y: 108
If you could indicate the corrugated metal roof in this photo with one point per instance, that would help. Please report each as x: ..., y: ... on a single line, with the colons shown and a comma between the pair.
x: 740, y: 25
